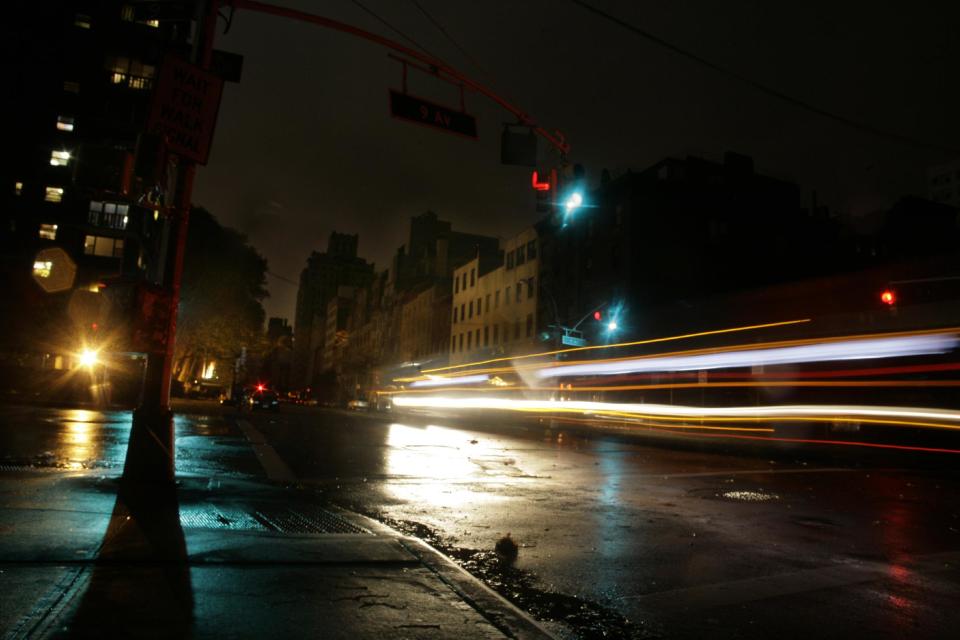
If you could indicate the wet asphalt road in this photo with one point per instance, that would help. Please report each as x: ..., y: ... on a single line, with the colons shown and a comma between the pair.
x: 615, y: 536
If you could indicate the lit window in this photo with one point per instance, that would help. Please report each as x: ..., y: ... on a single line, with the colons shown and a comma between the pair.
x: 126, y: 13
x: 103, y: 246
x: 152, y: 23
x: 53, y: 194
x: 83, y: 21
x: 42, y: 268
x: 59, y: 158
x: 65, y: 123
x: 71, y: 86
x: 48, y: 231
x: 18, y: 187
x: 118, y: 78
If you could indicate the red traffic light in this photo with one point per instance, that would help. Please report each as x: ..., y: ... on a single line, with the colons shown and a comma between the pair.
x: 260, y: 387
x: 888, y: 297
x: 597, y: 315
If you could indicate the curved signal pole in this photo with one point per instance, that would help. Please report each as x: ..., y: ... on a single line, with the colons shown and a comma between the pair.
x: 555, y: 138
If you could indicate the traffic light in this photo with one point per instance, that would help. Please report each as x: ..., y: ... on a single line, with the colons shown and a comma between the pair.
x: 544, y: 183
x: 888, y: 297
x: 598, y: 315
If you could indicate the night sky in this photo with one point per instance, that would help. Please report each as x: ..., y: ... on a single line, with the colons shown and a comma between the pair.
x: 305, y: 144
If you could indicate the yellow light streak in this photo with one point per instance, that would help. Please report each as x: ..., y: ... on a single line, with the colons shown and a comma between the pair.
x: 894, y: 416
x: 620, y: 344
x: 688, y: 352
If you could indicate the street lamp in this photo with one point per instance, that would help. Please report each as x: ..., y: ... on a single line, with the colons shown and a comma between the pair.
x: 89, y: 358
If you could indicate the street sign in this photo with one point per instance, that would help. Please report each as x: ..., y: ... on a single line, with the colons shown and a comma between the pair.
x: 413, y: 109
x: 185, y: 107
x: 572, y: 341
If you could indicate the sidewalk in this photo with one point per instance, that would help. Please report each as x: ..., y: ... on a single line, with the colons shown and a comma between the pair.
x: 222, y: 559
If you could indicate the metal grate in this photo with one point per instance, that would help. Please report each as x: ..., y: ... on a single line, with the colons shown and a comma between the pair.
x: 315, y: 520
x: 207, y: 517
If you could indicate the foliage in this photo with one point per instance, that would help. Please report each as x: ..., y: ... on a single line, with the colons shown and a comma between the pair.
x: 220, y: 311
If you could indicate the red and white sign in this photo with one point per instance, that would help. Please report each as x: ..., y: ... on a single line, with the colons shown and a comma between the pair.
x: 185, y: 106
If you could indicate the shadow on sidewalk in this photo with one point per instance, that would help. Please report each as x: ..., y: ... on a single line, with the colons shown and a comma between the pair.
x: 140, y: 584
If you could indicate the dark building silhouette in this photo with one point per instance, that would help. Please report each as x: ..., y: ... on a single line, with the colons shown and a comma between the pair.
x: 278, y: 358
x: 76, y: 99
x: 678, y: 231
x: 326, y: 272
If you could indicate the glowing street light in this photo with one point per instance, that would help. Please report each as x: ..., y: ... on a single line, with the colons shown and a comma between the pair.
x: 612, y: 325
x: 88, y: 358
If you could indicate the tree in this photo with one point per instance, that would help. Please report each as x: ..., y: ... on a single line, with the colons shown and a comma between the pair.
x: 220, y: 313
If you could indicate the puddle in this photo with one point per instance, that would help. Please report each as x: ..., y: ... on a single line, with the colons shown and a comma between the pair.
x: 586, y: 619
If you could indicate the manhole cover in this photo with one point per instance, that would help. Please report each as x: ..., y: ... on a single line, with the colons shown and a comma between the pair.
x: 748, y: 496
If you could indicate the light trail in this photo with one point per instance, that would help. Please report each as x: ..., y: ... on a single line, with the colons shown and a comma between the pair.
x: 894, y: 416
x: 616, y: 345
x: 442, y: 382
x: 858, y: 349
x: 704, y: 385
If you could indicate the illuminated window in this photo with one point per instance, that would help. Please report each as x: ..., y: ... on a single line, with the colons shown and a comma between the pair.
x: 53, y: 194
x: 42, y: 268
x: 152, y: 23
x: 126, y: 13
x: 71, y: 86
x: 114, y: 215
x: 132, y: 73
x: 18, y: 187
x: 83, y: 21
x: 103, y: 246
x: 48, y: 231
x: 59, y: 158
x: 65, y: 123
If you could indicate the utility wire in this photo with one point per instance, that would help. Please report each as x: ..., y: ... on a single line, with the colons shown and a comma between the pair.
x: 466, y: 54
x: 283, y: 278
x: 397, y: 31
x: 762, y: 87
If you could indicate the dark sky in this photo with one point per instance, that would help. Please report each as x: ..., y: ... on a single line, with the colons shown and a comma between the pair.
x: 305, y: 144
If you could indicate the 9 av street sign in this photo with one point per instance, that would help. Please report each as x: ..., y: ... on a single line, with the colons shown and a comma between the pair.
x: 413, y: 109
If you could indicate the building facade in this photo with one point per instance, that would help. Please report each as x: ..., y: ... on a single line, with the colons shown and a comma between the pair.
x: 495, y: 302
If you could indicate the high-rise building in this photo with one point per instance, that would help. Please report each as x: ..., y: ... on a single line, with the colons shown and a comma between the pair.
x: 320, y: 280
x: 78, y: 205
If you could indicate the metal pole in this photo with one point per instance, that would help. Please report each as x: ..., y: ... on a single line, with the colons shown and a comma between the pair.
x: 150, y: 451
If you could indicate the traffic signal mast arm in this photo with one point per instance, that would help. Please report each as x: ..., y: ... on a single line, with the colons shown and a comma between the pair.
x: 556, y: 138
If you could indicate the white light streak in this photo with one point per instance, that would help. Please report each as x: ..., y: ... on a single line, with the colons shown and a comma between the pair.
x: 845, y: 350
x: 443, y: 382
x: 679, y: 411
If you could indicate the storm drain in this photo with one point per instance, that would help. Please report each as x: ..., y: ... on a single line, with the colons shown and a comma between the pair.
x: 314, y: 520
x: 206, y: 517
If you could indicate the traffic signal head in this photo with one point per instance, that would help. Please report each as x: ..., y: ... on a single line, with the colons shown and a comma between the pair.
x: 888, y: 297
x: 598, y: 315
